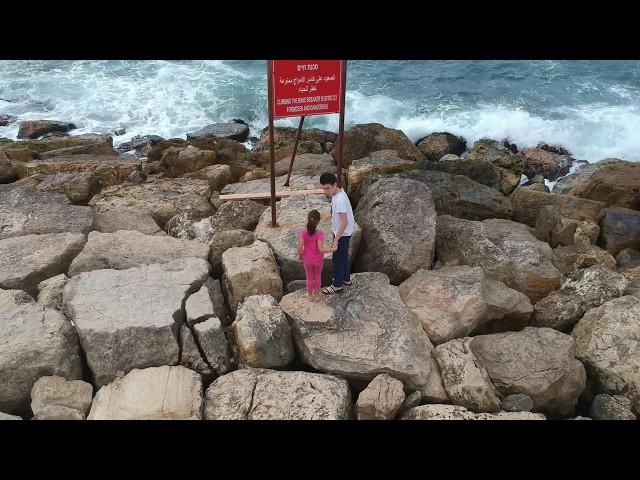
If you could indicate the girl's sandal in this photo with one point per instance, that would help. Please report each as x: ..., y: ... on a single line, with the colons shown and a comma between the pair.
x: 330, y: 290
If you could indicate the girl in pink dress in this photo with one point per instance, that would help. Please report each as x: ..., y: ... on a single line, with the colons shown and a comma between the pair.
x: 311, y: 251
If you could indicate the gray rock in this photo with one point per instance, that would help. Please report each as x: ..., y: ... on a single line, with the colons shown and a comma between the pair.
x: 199, y: 305
x: 296, y: 285
x: 453, y: 301
x: 411, y: 401
x: 608, y: 342
x: 262, y: 333
x: 381, y: 400
x: 611, y: 407
x: 218, y: 176
x: 37, y: 128
x: 215, y: 349
x: 506, y: 250
x: 25, y: 211
x: 582, y: 291
x: 127, y: 249
x: 438, y: 144
x: 164, y: 198
x: 232, y: 131
x: 36, y: 341
x: 620, y: 229
x: 398, y: 221
x: 360, y: 333
x: 191, y: 356
x: 538, y: 362
x: 222, y: 241
x: 126, y: 219
x: 129, y: 319
x: 460, y: 196
x: 465, y: 380
x: 26, y: 261
x: 58, y: 412
x: 257, y: 394
x: 381, y: 162
x: 517, y: 402
x: 238, y: 215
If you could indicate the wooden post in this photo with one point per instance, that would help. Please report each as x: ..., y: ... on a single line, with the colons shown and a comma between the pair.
x: 273, y: 162
x: 295, y: 149
x: 343, y: 94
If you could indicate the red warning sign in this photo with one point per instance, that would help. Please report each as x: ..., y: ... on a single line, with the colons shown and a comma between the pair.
x: 306, y: 87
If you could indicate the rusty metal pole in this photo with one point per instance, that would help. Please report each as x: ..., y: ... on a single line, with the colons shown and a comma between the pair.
x: 273, y: 167
x: 341, y: 128
x: 295, y: 149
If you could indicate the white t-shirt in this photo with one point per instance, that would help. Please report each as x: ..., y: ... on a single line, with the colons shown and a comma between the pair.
x: 340, y: 204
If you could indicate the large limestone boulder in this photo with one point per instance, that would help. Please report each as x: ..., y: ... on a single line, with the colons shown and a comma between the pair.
x: 164, y: 198
x: 26, y: 261
x: 127, y: 249
x: 567, y: 225
x: 232, y: 131
x: 213, y: 342
x: 465, y: 380
x: 585, y: 289
x: 206, y: 303
x: 310, y: 164
x: 222, y: 241
x: 263, y: 185
x: 236, y: 215
x: 381, y: 400
x: 217, y: 176
x: 38, y: 128
x: 527, y: 204
x: 456, y: 412
x: 398, y: 221
x: 257, y: 394
x: 539, y: 362
x: 262, y: 333
x: 191, y: 357
x: 107, y: 170
x: 36, y: 341
x: 178, y: 161
x: 55, y: 391
x: 130, y: 319
x: 510, y: 167
x: 291, y: 216
x: 461, y: 197
x: 453, y: 301
x: 361, y: 140
x: 286, y: 136
x: 548, y: 164
x: 571, y: 258
x: 438, y: 144
x: 620, y: 229
x: 608, y: 342
x: 48, y: 144
x: 77, y: 187
x: 380, y: 162
x: 564, y: 185
x: 8, y: 170
x: 126, y: 219
x: 250, y: 270
x: 360, y: 333
x: 615, y: 184
x: 101, y: 147
x: 506, y: 250
x: 27, y: 210
x: 160, y: 393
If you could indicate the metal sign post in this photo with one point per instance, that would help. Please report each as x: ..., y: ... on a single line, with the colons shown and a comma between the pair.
x: 303, y: 88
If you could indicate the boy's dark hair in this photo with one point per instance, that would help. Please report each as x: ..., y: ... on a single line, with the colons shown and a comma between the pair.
x: 312, y: 221
x: 328, y: 179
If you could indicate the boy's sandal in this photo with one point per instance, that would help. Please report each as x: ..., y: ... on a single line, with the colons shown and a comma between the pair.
x: 330, y: 290
x: 347, y: 282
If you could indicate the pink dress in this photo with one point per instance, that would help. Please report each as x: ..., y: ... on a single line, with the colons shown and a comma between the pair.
x: 313, y: 258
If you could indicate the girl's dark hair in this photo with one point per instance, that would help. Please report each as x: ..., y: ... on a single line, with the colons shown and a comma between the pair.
x: 312, y: 221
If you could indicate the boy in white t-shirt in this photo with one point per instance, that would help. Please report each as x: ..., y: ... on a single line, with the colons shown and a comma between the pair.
x: 342, y: 224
